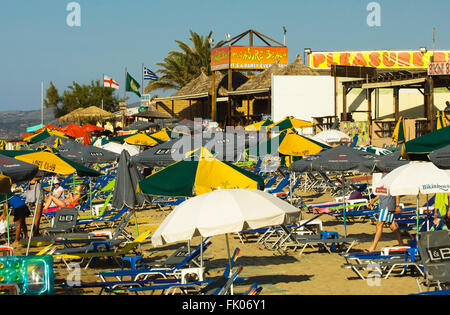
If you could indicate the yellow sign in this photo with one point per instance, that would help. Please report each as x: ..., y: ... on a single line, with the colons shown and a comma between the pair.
x: 377, y: 59
x: 248, y: 57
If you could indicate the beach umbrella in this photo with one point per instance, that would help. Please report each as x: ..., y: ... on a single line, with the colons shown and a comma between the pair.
x: 92, y: 128
x: 290, y: 122
x: 186, y: 123
x: 46, y: 133
x: 332, y: 136
x: 127, y: 180
x: 441, y: 121
x: 50, y: 162
x: 373, y: 149
x: 142, y: 139
x: 199, y: 175
x: 118, y: 148
x: 49, y: 127
x: 390, y: 162
x: 76, y: 131
x: 79, y: 153
x: 258, y: 125
x: 399, y: 133
x: 90, y: 114
x: 121, y: 139
x: 52, y: 141
x: 16, y: 170
x: 420, y: 147
x: 340, y: 159
x: 225, y: 146
x: 224, y: 211
x: 289, y: 145
x: 414, y: 178
x: 140, y: 125
x: 163, y: 135
x: 3, y: 144
x: 440, y: 157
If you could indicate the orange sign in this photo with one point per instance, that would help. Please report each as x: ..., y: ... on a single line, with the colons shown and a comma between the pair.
x: 238, y: 57
x: 378, y: 59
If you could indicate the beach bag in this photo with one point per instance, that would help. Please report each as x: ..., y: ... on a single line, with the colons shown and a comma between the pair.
x: 30, y: 196
x: 3, y: 226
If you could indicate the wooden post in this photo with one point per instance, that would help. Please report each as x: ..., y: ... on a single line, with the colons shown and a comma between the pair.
x: 213, y: 96
x: 230, y: 88
x: 369, y: 113
x: 396, y: 103
x: 173, y: 109
x: 190, y: 109
x: 344, y: 103
x: 335, y: 95
x: 431, y: 114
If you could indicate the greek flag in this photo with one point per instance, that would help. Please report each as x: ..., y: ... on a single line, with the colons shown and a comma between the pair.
x: 149, y: 75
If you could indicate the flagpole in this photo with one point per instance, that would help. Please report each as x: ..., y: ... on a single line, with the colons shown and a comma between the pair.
x: 103, y: 87
x: 42, y: 102
x: 125, y: 85
x: 142, y: 79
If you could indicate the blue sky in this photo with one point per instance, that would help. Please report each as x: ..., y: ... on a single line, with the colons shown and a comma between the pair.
x: 37, y: 44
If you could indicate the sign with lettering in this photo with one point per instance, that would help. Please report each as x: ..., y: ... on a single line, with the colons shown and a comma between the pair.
x: 378, y: 59
x: 248, y: 57
x: 439, y: 68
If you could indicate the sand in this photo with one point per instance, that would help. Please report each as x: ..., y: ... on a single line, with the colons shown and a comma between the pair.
x: 314, y: 272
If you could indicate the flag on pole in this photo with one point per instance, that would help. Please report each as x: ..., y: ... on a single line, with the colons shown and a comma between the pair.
x: 150, y: 75
x: 132, y: 85
x: 109, y: 82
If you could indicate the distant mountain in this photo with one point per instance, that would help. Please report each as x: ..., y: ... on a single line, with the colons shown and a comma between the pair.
x: 13, y: 123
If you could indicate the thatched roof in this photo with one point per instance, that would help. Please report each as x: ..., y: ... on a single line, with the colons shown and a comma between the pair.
x: 92, y: 113
x: 297, y: 67
x: 262, y: 80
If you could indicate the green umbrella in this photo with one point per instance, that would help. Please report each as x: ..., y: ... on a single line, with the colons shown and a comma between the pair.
x: 421, y: 146
x: 195, y: 176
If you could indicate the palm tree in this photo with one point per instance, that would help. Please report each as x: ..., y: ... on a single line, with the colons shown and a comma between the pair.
x: 180, y: 67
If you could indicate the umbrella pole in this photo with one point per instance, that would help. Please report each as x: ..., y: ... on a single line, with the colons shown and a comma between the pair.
x: 417, y: 217
x: 7, y: 216
x: 344, y: 210
x: 229, y: 260
x: 201, y: 252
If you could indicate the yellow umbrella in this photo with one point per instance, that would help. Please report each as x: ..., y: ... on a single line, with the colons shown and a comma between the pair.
x: 161, y: 135
x: 44, y: 134
x: 50, y: 162
x: 296, y: 145
x: 257, y: 126
x: 3, y: 145
x: 142, y: 139
x: 5, y: 184
x: 290, y: 122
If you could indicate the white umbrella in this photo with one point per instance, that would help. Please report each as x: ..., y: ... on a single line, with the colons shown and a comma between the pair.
x: 414, y: 178
x: 118, y: 148
x: 332, y: 136
x: 224, y: 211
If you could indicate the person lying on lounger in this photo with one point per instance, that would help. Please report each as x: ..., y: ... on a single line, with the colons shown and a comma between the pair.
x: 70, y: 201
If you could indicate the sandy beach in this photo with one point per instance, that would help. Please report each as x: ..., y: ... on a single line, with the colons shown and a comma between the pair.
x: 312, y: 273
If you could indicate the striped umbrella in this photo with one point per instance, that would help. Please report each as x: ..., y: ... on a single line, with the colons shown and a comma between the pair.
x: 290, y: 122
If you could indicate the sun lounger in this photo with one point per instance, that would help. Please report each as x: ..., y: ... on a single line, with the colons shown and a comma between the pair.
x: 177, y: 271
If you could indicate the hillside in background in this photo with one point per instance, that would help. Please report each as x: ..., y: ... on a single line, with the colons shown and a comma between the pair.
x: 13, y: 123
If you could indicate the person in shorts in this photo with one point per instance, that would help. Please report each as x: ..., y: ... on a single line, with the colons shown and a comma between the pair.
x: 20, y: 212
x: 388, y: 205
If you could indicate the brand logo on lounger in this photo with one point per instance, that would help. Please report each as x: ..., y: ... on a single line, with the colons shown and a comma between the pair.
x: 438, y: 254
x: 444, y: 188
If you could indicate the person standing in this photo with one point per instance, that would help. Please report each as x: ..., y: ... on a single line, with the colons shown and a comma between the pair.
x: 20, y: 212
x: 388, y: 205
x: 35, y: 196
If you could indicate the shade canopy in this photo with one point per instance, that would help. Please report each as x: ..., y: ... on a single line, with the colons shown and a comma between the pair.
x: 288, y: 123
x: 340, y: 158
x: 259, y: 125
x: 92, y: 128
x: 399, y: 131
x: 50, y: 162
x: 18, y: 171
x: 421, y: 146
x: 224, y: 211
x: 414, y: 178
x: 142, y: 139
x: 118, y: 148
x: 140, y: 125
x: 388, y: 163
x: 194, y: 176
x: 332, y: 136
x: 79, y: 153
x: 441, y: 157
